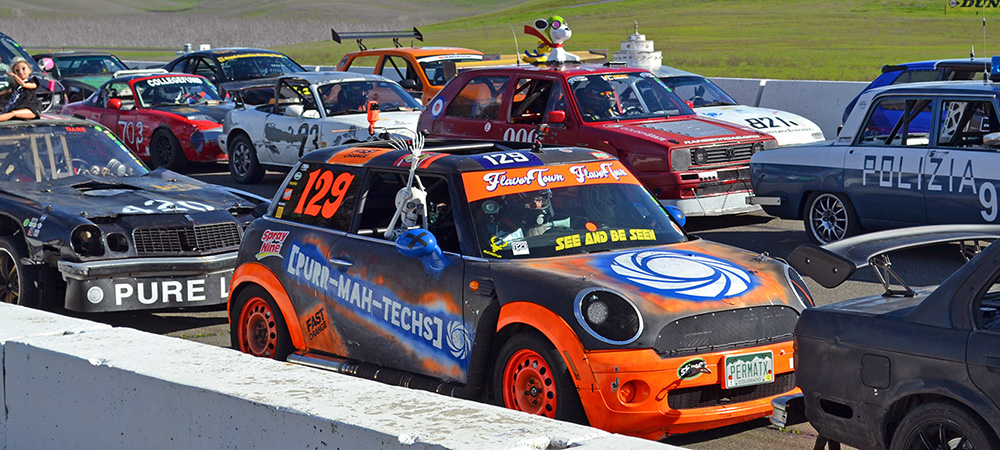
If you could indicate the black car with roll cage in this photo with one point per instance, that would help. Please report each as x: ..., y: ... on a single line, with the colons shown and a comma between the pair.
x: 911, y: 368
x: 248, y: 74
x: 85, y: 226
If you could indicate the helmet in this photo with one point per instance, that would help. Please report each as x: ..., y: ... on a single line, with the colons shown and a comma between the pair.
x: 530, y: 209
x: 169, y: 93
x: 354, y: 94
x: 596, y: 98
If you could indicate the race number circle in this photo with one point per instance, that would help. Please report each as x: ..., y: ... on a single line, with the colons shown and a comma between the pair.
x: 95, y: 295
x: 487, y: 127
x: 437, y: 108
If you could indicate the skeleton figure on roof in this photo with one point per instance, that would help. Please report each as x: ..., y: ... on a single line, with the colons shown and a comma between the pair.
x: 551, y: 34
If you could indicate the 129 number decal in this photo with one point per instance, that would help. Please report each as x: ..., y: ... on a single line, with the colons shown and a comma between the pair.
x: 323, y: 187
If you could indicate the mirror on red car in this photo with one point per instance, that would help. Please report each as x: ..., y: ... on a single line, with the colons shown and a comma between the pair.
x: 115, y: 103
x: 689, y: 103
x: 555, y: 116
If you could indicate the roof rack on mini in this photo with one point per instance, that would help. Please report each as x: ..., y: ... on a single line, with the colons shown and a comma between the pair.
x: 394, y: 35
x: 138, y: 72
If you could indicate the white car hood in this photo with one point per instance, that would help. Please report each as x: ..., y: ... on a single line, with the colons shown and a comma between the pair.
x: 787, y: 128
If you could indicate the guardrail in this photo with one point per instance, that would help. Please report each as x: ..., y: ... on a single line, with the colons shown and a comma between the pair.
x: 72, y: 383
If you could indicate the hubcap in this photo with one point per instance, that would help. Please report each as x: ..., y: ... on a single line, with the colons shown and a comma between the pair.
x: 257, y: 328
x: 939, y: 436
x: 241, y: 159
x: 528, y: 385
x: 9, y: 279
x: 828, y: 218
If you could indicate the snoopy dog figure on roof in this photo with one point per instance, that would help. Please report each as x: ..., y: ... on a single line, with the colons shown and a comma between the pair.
x: 551, y: 34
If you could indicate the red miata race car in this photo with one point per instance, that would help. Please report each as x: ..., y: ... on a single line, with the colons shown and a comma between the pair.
x: 167, y: 119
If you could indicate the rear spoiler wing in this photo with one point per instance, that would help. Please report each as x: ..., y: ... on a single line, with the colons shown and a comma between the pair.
x: 832, y: 264
x: 394, y: 35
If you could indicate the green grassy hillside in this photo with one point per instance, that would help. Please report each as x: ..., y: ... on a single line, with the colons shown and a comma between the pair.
x: 809, y: 39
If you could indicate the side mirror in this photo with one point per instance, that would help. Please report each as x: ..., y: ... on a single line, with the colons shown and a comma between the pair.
x: 677, y: 214
x: 689, y: 103
x: 47, y: 64
x: 261, y: 209
x: 991, y: 140
x: 420, y: 243
x: 115, y: 103
x: 408, y: 84
x: 555, y: 117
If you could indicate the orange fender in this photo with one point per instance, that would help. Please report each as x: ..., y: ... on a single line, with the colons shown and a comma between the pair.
x: 261, y: 275
x: 557, y: 331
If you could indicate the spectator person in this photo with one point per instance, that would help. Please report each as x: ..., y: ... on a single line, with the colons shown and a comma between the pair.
x: 23, y: 103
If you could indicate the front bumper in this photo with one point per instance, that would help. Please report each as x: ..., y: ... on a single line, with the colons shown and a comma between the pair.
x: 147, y: 283
x: 717, y: 205
x: 663, y: 404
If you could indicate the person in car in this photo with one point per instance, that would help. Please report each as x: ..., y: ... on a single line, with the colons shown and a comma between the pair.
x: 23, y: 103
x: 353, y: 95
x: 597, y: 100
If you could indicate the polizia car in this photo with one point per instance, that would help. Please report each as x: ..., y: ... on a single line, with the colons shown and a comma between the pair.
x: 548, y: 281
x: 86, y: 227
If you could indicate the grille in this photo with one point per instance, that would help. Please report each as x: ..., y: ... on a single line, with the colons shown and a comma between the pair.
x: 186, y: 239
x: 715, y: 395
x: 730, y: 329
x: 718, y: 155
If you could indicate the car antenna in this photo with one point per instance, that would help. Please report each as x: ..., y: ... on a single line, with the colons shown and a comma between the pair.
x: 517, y: 50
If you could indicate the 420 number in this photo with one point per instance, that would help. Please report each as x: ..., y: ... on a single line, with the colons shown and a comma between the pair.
x: 323, y: 193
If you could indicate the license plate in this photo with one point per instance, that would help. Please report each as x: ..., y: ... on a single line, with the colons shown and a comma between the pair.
x: 749, y: 369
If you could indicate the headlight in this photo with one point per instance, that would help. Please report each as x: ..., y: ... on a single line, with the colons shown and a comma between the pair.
x: 799, y: 287
x: 608, y: 316
x: 680, y: 159
x: 86, y: 241
x: 757, y: 147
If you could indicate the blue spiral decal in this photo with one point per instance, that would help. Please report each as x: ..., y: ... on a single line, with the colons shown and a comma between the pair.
x: 686, y: 275
x: 458, y: 340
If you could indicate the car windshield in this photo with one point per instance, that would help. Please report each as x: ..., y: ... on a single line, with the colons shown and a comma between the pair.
x: 617, y: 96
x: 581, y: 209
x: 10, y: 48
x: 434, y: 66
x: 175, y: 90
x: 31, y: 154
x: 87, y: 65
x: 248, y: 66
x: 352, y: 97
x: 700, y: 91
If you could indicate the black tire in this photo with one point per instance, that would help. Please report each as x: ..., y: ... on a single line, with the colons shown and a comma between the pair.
x: 165, y: 151
x: 243, y: 163
x: 829, y: 218
x: 529, y: 360
x: 942, y: 425
x: 257, y: 326
x: 18, y: 284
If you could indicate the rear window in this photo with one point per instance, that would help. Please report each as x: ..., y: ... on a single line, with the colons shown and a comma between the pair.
x: 320, y: 195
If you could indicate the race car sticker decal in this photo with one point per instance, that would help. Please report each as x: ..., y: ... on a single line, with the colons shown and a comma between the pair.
x: 600, y: 237
x: 270, y: 243
x: 487, y: 127
x: 322, y: 186
x: 425, y: 159
x: 494, y: 183
x: 437, y: 108
x: 249, y: 55
x: 175, y: 187
x: 683, y: 274
x: 430, y: 331
x: 315, y: 324
x: 520, y: 248
x: 157, y: 205
x: 507, y: 159
x: 692, y: 368
x: 164, y: 81
x: 357, y: 156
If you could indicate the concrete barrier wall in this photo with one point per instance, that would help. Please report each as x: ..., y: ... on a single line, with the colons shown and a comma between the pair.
x: 70, y: 383
x: 822, y: 102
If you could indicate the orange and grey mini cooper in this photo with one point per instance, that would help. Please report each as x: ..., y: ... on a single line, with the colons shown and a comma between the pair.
x: 544, y: 279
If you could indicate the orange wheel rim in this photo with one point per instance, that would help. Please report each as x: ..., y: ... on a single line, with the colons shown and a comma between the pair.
x: 258, y: 332
x: 528, y: 384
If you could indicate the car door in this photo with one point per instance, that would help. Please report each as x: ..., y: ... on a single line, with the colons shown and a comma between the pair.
x: 983, y: 353
x: 399, y: 311
x: 290, y: 131
x: 475, y: 110
x: 962, y: 170
x: 534, y: 97
x: 884, y: 172
x: 311, y: 215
